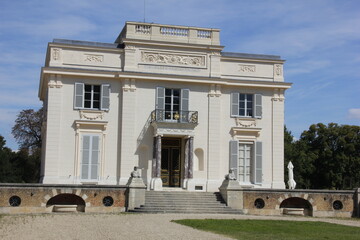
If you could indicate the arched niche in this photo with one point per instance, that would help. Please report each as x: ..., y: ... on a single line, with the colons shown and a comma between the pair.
x: 199, y: 160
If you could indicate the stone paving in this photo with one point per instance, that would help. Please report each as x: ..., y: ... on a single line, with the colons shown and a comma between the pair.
x: 122, y: 226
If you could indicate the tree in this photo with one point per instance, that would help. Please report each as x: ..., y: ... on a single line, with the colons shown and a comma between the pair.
x: 6, y: 173
x: 326, y: 157
x: 27, y: 128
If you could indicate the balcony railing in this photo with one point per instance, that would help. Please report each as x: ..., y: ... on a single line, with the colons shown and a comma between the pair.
x: 159, y: 115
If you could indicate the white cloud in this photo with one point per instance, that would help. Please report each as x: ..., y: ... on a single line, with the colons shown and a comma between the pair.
x: 354, y: 113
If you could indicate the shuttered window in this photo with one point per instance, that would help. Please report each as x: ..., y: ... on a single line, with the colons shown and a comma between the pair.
x: 89, y: 96
x: 246, y: 161
x: 90, y: 157
x: 246, y: 105
x: 173, y: 104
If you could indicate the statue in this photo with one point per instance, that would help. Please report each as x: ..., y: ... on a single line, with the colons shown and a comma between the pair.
x: 291, y: 182
x: 231, y: 175
x: 135, y: 173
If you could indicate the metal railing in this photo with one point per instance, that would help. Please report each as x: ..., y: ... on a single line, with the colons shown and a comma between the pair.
x: 160, y: 115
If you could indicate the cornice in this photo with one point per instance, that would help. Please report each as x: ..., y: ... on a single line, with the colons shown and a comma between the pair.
x: 140, y: 42
x: 82, y: 47
x: 247, y: 60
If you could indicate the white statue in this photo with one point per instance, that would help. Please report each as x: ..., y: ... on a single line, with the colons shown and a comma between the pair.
x: 291, y: 182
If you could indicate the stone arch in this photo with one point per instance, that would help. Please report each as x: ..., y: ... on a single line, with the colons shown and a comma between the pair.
x: 66, y: 202
x: 293, y: 205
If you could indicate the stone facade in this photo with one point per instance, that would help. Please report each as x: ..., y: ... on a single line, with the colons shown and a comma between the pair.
x: 108, y: 107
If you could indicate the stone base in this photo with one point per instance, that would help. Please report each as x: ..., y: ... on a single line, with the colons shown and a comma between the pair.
x: 156, y: 184
x: 231, y: 192
x: 137, y: 190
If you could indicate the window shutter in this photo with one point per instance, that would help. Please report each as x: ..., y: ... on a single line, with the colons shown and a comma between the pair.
x: 234, y: 104
x: 185, y: 99
x: 105, y: 97
x: 258, y: 162
x: 258, y: 106
x: 85, y: 157
x: 79, y: 96
x: 160, y: 98
x: 94, y: 157
x: 234, y: 158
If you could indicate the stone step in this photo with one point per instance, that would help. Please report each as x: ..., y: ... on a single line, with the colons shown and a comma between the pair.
x: 191, y: 211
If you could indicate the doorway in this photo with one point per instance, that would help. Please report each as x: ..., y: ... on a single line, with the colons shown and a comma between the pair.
x: 171, y: 162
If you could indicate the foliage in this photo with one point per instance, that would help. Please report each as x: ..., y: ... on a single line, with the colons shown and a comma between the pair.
x: 19, y: 167
x: 325, y: 157
x: 27, y: 128
x: 272, y: 229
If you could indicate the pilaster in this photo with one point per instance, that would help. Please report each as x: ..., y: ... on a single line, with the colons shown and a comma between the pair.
x: 128, y: 121
x: 53, y: 130
x: 278, y: 139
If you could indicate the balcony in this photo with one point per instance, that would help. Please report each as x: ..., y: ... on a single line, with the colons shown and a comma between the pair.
x: 164, y: 116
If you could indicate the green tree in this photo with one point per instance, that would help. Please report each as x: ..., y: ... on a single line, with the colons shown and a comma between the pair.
x: 6, y: 155
x: 328, y: 157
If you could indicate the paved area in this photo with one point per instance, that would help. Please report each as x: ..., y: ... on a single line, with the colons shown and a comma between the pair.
x: 121, y: 226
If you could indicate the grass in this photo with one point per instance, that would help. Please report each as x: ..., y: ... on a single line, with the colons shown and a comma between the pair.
x: 271, y: 229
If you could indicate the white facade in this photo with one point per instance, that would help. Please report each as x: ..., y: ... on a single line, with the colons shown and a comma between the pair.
x: 167, y: 99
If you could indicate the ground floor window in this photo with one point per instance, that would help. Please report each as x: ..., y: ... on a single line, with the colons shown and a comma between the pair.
x: 245, y: 160
x: 90, y: 156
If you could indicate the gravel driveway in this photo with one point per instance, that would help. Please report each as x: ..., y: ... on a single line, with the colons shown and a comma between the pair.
x: 120, y: 226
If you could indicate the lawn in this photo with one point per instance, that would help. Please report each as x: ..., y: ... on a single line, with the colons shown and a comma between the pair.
x: 271, y: 229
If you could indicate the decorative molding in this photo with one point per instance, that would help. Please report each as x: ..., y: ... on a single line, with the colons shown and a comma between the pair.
x: 129, y: 85
x: 93, y: 58
x: 245, y: 123
x: 56, y: 54
x: 55, y: 81
x: 215, y: 54
x: 245, y: 133
x: 132, y: 47
x: 93, y: 125
x: 278, y: 95
x: 91, y: 115
x: 161, y: 129
x: 215, y: 90
x: 173, y: 59
x: 247, y: 68
x: 278, y: 70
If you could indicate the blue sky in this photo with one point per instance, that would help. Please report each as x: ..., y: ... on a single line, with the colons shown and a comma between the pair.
x: 319, y: 39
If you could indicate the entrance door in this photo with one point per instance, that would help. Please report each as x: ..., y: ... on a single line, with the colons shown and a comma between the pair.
x: 170, y: 162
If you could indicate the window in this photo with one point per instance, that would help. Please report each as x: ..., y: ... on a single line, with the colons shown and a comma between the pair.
x: 246, y: 105
x: 246, y: 161
x: 172, y: 104
x: 89, y: 96
x: 90, y: 157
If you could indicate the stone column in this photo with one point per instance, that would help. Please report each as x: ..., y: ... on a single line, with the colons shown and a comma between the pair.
x: 186, y: 159
x: 191, y: 157
x: 156, y: 182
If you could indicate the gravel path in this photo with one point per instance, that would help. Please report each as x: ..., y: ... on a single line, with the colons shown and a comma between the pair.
x: 121, y: 226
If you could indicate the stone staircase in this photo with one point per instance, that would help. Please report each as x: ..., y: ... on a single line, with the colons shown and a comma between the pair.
x: 184, y: 202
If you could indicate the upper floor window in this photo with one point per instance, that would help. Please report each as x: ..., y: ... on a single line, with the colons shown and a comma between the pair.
x: 246, y: 105
x: 172, y: 104
x: 89, y: 96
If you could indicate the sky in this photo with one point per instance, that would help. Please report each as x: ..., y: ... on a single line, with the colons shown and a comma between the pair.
x: 319, y: 39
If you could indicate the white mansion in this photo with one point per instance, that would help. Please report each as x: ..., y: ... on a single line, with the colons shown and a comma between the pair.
x: 168, y: 100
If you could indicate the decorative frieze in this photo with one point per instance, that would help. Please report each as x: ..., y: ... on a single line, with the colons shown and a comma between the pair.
x: 91, y: 115
x: 56, y: 54
x: 93, y: 58
x: 245, y: 123
x: 278, y: 70
x: 247, y: 68
x: 173, y: 59
x: 55, y: 81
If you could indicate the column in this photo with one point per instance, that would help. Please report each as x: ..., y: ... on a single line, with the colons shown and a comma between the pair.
x: 156, y: 182
x: 158, y: 157
x: 191, y: 157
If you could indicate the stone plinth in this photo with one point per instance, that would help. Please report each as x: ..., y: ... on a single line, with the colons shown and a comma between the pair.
x: 136, y: 195
x: 232, y: 194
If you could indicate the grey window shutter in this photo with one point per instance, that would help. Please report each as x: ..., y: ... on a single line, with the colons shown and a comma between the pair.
x: 160, y: 98
x: 85, y: 157
x: 95, y: 151
x: 185, y: 99
x: 258, y: 162
x: 258, y: 105
x: 234, y: 158
x: 234, y: 104
x: 105, y: 97
x: 79, y: 96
